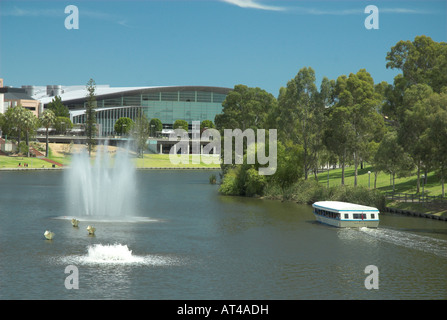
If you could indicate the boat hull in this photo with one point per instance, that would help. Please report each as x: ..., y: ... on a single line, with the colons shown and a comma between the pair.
x: 347, y: 223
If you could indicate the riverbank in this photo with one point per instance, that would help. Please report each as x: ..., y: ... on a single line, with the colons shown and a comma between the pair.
x: 60, y: 155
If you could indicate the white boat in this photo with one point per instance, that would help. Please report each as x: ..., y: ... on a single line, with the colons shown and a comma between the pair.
x: 345, y: 214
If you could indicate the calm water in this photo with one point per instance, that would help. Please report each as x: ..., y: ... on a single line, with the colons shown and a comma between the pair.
x: 188, y: 242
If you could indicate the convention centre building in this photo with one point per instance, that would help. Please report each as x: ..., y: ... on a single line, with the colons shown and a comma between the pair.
x: 167, y: 103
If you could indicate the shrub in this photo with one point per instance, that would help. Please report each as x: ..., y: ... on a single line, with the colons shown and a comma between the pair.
x: 229, y: 185
x: 254, y: 182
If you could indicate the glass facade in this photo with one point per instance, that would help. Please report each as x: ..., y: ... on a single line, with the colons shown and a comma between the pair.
x: 168, y: 106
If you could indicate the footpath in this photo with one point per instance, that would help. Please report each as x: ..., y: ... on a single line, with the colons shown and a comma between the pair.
x: 41, y: 156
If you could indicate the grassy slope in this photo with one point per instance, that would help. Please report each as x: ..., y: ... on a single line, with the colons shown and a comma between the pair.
x: 403, y: 185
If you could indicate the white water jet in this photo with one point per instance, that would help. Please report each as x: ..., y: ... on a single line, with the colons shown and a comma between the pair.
x: 116, y: 253
x: 103, y: 189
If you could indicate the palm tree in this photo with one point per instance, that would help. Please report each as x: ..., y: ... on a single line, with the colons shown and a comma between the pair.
x: 29, y: 124
x: 47, y: 119
x: 16, y: 115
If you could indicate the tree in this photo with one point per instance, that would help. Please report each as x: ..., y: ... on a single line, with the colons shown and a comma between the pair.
x: 29, y: 124
x: 16, y: 116
x: 156, y: 126
x: 90, y: 116
x: 47, y: 119
x: 244, y: 108
x: 413, y: 124
x: 357, y: 94
x: 2, y: 123
x: 298, y: 108
x: 337, y: 135
x: 206, y: 124
x: 124, y: 125
x: 62, y: 124
x: 141, y: 132
x: 437, y: 135
x: 59, y: 109
x: 289, y: 165
x: 422, y: 61
x: 181, y: 124
x: 392, y: 158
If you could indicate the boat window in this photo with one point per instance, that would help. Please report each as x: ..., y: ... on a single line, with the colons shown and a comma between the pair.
x: 346, y: 215
x: 372, y: 216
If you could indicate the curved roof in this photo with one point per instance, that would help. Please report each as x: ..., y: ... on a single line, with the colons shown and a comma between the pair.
x: 79, y: 93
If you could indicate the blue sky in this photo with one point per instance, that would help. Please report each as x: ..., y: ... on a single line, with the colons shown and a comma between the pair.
x: 258, y: 43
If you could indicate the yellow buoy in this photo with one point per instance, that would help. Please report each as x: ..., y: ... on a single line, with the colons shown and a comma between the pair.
x: 91, y: 230
x: 74, y: 222
x: 49, y: 235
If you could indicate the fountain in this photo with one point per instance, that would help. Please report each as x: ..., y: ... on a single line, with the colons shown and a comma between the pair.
x: 103, y: 188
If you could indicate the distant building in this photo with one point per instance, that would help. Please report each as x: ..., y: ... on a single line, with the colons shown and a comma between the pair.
x: 12, y: 97
x: 167, y: 103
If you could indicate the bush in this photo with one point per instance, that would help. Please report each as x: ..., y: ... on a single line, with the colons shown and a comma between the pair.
x: 310, y: 191
x: 229, y: 185
x: 254, y: 182
x: 23, y: 148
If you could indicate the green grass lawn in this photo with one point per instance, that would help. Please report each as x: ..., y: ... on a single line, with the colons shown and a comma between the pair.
x: 163, y: 161
x: 404, y: 184
x: 149, y: 161
x: 13, y: 162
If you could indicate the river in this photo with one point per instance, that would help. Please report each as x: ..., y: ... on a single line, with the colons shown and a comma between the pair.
x: 185, y: 241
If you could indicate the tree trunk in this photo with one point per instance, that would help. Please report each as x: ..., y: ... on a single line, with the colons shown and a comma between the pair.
x: 442, y: 185
x: 18, y: 139
x: 418, y: 187
x: 355, y: 168
x: 27, y: 144
x: 46, y: 142
x: 376, y: 174
x: 394, y: 174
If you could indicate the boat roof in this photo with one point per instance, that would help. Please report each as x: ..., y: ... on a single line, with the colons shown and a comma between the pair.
x: 343, y: 206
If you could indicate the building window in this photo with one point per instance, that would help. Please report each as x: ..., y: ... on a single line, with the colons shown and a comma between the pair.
x: 188, y: 96
x: 219, y: 97
x: 132, y: 100
x: 169, y: 96
x: 155, y: 96
x: 203, y: 96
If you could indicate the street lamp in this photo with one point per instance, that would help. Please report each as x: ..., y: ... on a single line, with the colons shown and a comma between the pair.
x: 369, y: 179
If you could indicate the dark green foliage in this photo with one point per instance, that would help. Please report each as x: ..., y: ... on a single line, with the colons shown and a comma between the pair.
x: 59, y: 109
x: 181, y: 124
x: 124, y: 125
